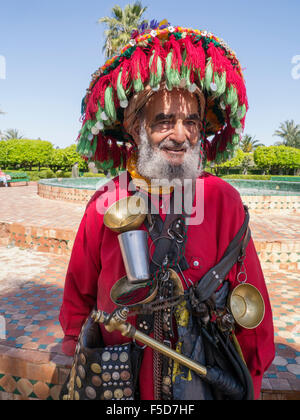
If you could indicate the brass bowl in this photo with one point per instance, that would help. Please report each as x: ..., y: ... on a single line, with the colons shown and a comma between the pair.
x: 126, y: 214
x: 247, y: 306
x: 124, y: 287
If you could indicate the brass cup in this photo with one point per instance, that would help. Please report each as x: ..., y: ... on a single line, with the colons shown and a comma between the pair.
x: 247, y: 306
x: 126, y: 214
x: 124, y: 287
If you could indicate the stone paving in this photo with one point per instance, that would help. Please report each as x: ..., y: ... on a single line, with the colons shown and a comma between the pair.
x: 32, y: 365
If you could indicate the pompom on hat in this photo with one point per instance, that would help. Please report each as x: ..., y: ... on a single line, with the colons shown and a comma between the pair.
x: 172, y: 57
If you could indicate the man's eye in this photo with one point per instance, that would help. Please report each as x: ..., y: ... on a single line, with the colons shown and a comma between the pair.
x: 191, y: 122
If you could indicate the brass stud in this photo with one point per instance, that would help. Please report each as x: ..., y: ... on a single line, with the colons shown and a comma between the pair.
x: 107, y: 395
x: 96, y: 368
x: 118, y: 393
x: 123, y: 357
x: 90, y: 392
x: 78, y: 382
x: 96, y: 381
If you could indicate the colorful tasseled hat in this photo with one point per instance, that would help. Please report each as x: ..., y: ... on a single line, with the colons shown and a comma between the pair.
x: 179, y: 57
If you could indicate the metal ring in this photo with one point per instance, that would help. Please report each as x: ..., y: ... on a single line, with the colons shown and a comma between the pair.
x: 177, y: 236
x: 242, y: 272
x: 150, y: 248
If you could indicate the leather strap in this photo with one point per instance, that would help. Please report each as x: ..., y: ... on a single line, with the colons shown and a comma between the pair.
x: 234, y: 253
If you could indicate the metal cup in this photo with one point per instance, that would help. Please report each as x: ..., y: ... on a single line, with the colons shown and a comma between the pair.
x: 135, y: 253
x: 247, y: 306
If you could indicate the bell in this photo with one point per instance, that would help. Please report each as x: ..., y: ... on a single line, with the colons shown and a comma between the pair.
x: 247, y: 306
x: 135, y: 253
x: 126, y: 214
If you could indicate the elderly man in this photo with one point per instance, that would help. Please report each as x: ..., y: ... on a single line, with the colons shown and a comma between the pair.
x: 165, y: 94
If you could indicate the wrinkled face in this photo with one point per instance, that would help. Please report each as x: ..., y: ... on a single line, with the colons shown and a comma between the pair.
x: 172, y: 123
x: 167, y: 135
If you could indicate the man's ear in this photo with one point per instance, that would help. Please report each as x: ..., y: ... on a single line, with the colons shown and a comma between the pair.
x: 135, y: 131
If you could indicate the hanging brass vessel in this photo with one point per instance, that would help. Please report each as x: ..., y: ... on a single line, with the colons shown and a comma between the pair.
x: 247, y: 306
x: 126, y: 214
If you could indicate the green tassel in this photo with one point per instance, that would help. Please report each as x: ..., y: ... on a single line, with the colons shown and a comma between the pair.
x: 82, y: 145
x: 120, y: 90
x: 109, y: 108
x: 155, y: 77
x: 241, y: 112
x: 232, y: 100
x: 235, y: 122
x: 221, y: 84
x: 138, y: 85
x: 235, y: 140
x: 172, y: 75
x: 94, y: 145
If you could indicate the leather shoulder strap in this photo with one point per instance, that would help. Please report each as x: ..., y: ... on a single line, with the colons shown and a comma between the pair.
x: 216, y: 275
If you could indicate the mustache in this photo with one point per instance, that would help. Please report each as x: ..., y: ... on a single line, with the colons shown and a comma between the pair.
x: 174, y: 145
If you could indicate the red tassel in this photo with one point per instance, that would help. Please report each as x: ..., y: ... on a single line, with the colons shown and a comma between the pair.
x: 114, y: 76
x: 194, y: 56
x: 158, y: 52
x: 138, y: 65
x: 172, y: 44
x: 220, y: 64
x: 125, y: 73
x: 102, y: 148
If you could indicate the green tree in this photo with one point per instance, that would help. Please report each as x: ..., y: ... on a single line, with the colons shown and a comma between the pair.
x: 278, y: 159
x: 12, y: 133
x: 120, y: 26
x: 290, y: 134
x: 65, y: 158
x: 25, y: 153
x: 249, y: 143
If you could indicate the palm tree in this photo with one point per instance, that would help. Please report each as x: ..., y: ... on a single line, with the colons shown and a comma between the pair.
x: 12, y: 133
x: 121, y: 25
x: 249, y: 143
x: 290, y: 133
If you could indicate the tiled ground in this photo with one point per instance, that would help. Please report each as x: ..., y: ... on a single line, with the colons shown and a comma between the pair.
x: 31, y: 361
x: 29, y: 320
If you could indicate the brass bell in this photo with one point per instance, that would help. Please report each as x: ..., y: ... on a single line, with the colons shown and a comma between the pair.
x: 247, y: 306
x: 126, y: 214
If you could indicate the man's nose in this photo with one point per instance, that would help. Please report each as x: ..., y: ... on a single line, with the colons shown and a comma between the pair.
x: 179, y: 133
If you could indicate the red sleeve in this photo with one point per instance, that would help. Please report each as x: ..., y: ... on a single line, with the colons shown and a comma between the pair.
x: 257, y: 344
x: 80, y: 291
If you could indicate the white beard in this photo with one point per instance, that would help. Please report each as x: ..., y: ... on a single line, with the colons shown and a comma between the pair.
x: 152, y: 163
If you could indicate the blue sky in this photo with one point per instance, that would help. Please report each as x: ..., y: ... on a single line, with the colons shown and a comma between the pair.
x: 51, y: 47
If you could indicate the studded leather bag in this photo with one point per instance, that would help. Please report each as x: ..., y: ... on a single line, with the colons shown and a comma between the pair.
x: 102, y: 372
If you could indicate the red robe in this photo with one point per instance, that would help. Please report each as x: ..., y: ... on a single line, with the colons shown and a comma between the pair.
x: 96, y: 264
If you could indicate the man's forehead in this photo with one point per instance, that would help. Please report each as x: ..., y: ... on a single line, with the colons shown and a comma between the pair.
x: 176, y: 102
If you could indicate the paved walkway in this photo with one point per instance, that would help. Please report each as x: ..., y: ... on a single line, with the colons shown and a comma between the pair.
x: 31, y: 285
x: 23, y: 205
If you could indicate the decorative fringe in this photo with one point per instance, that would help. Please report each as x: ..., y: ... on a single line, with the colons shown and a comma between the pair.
x: 156, y: 64
x: 139, y: 69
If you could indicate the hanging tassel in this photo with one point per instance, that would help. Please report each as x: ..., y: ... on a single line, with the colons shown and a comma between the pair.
x: 109, y: 106
x: 156, y: 64
x: 139, y: 69
x: 101, y: 153
x: 174, y: 46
